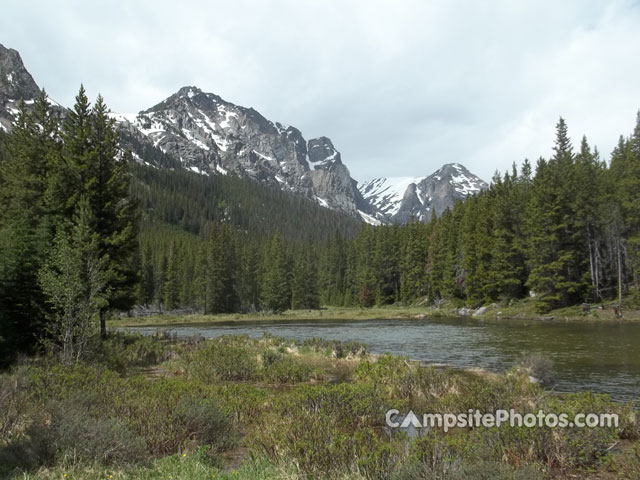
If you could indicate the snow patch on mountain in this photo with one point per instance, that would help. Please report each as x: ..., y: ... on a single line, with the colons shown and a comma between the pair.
x: 386, y: 193
x: 403, y: 198
x: 369, y: 219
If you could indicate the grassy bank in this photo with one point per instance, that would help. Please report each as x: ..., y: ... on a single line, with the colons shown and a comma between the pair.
x: 241, y: 408
x: 523, y: 309
x: 328, y: 313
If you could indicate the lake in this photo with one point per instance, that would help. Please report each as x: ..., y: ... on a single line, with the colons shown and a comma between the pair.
x: 602, y: 357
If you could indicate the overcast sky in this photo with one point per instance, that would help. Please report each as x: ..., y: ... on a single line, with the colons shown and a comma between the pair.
x: 401, y: 87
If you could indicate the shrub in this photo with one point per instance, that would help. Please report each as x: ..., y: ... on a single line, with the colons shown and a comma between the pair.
x: 25, y: 453
x: 335, y: 347
x: 78, y: 436
x: 287, y: 370
x: 226, y: 358
x: 464, y: 470
x: 12, y: 403
x: 539, y: 367
x: 330, y: 430
x: 270, y: 356
x: 581, y: 447
x: 205, y: 423
x: 67, y: 432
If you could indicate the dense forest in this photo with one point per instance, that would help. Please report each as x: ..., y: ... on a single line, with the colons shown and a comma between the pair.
x: 87, y: 231
x: 565, y: 234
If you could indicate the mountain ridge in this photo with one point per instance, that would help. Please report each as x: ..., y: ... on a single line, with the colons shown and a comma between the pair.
x: 403, y: 198
x: 211, y: 136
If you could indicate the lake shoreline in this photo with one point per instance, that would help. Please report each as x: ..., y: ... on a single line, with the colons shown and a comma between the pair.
x: 492, y: 313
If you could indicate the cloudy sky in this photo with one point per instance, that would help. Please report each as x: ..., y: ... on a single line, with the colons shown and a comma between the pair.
x: 400, y: 86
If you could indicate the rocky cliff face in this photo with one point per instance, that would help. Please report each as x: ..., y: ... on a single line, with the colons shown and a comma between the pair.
x: 16, y: 84
x: 403, y: 198
x: 212, y: 136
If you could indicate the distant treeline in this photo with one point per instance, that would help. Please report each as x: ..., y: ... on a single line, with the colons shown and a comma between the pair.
x: 567, y: 233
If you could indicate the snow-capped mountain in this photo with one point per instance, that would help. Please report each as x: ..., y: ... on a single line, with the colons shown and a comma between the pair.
x: 208, y: 135
x: 212, y: 136
x: 402, y: 198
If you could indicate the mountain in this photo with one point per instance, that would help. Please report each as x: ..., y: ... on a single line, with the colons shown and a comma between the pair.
x: 208, y: 135
x: 16, y: 84
x: 402, y: 198
x: 211, y: 136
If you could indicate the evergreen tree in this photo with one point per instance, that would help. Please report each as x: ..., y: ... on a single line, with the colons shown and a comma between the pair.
x: 275, y: 291
x: 221, y: 274
x: 171, y: 288
x: 147, y: 284
x: 91, y: 168
x: 414, y: 263
x: 304, y: 285
x: 557, y: 250
x: 26, y: 222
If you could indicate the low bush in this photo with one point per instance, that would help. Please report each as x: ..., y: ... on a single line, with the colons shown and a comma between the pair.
x: 75, y: 435
x: 287, y: 370
x: 465, y: 470
x: 123, y: 351
x: 330, y: 430
x: 540, y: 367
x: 226, y: 358
x: 336, y: 348
x: 204, y: 423
x: 13, y: 401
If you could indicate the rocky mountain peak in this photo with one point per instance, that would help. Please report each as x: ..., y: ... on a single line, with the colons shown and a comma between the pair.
x: 211, y: 136
x: 322, y: 154
x: 403, y: 198
x: 16, y: 84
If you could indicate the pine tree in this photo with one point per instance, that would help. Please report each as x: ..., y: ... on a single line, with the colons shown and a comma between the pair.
x: 117, y: 225
x: 414, y: 263
x: 304, y: 285
x: 221, y: 275
x: 275, y: 292
x: 171, y: 288
x: 146, y: 288
x: 26, y: 222
x: 91, y: 168
x: 73, y: 174
x: 557, y: 250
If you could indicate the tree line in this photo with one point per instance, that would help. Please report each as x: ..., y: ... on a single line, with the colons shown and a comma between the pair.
x: 565, y: 233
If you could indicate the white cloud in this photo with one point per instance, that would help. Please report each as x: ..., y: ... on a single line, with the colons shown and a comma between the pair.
x: 401, y: 87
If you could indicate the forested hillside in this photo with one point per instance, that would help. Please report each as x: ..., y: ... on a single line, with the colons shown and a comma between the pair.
x: 564, y: 234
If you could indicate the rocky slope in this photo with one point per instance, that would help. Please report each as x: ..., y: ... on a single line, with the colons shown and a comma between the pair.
x: 16, y: 84
x: 403, y: 198
x: 212, y: 136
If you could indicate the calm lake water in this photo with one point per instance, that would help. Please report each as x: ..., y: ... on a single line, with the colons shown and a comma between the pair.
x: 600, y: 357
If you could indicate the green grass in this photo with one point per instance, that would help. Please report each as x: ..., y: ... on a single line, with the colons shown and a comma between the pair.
x: 329, y: 313
x: 174, y: 467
